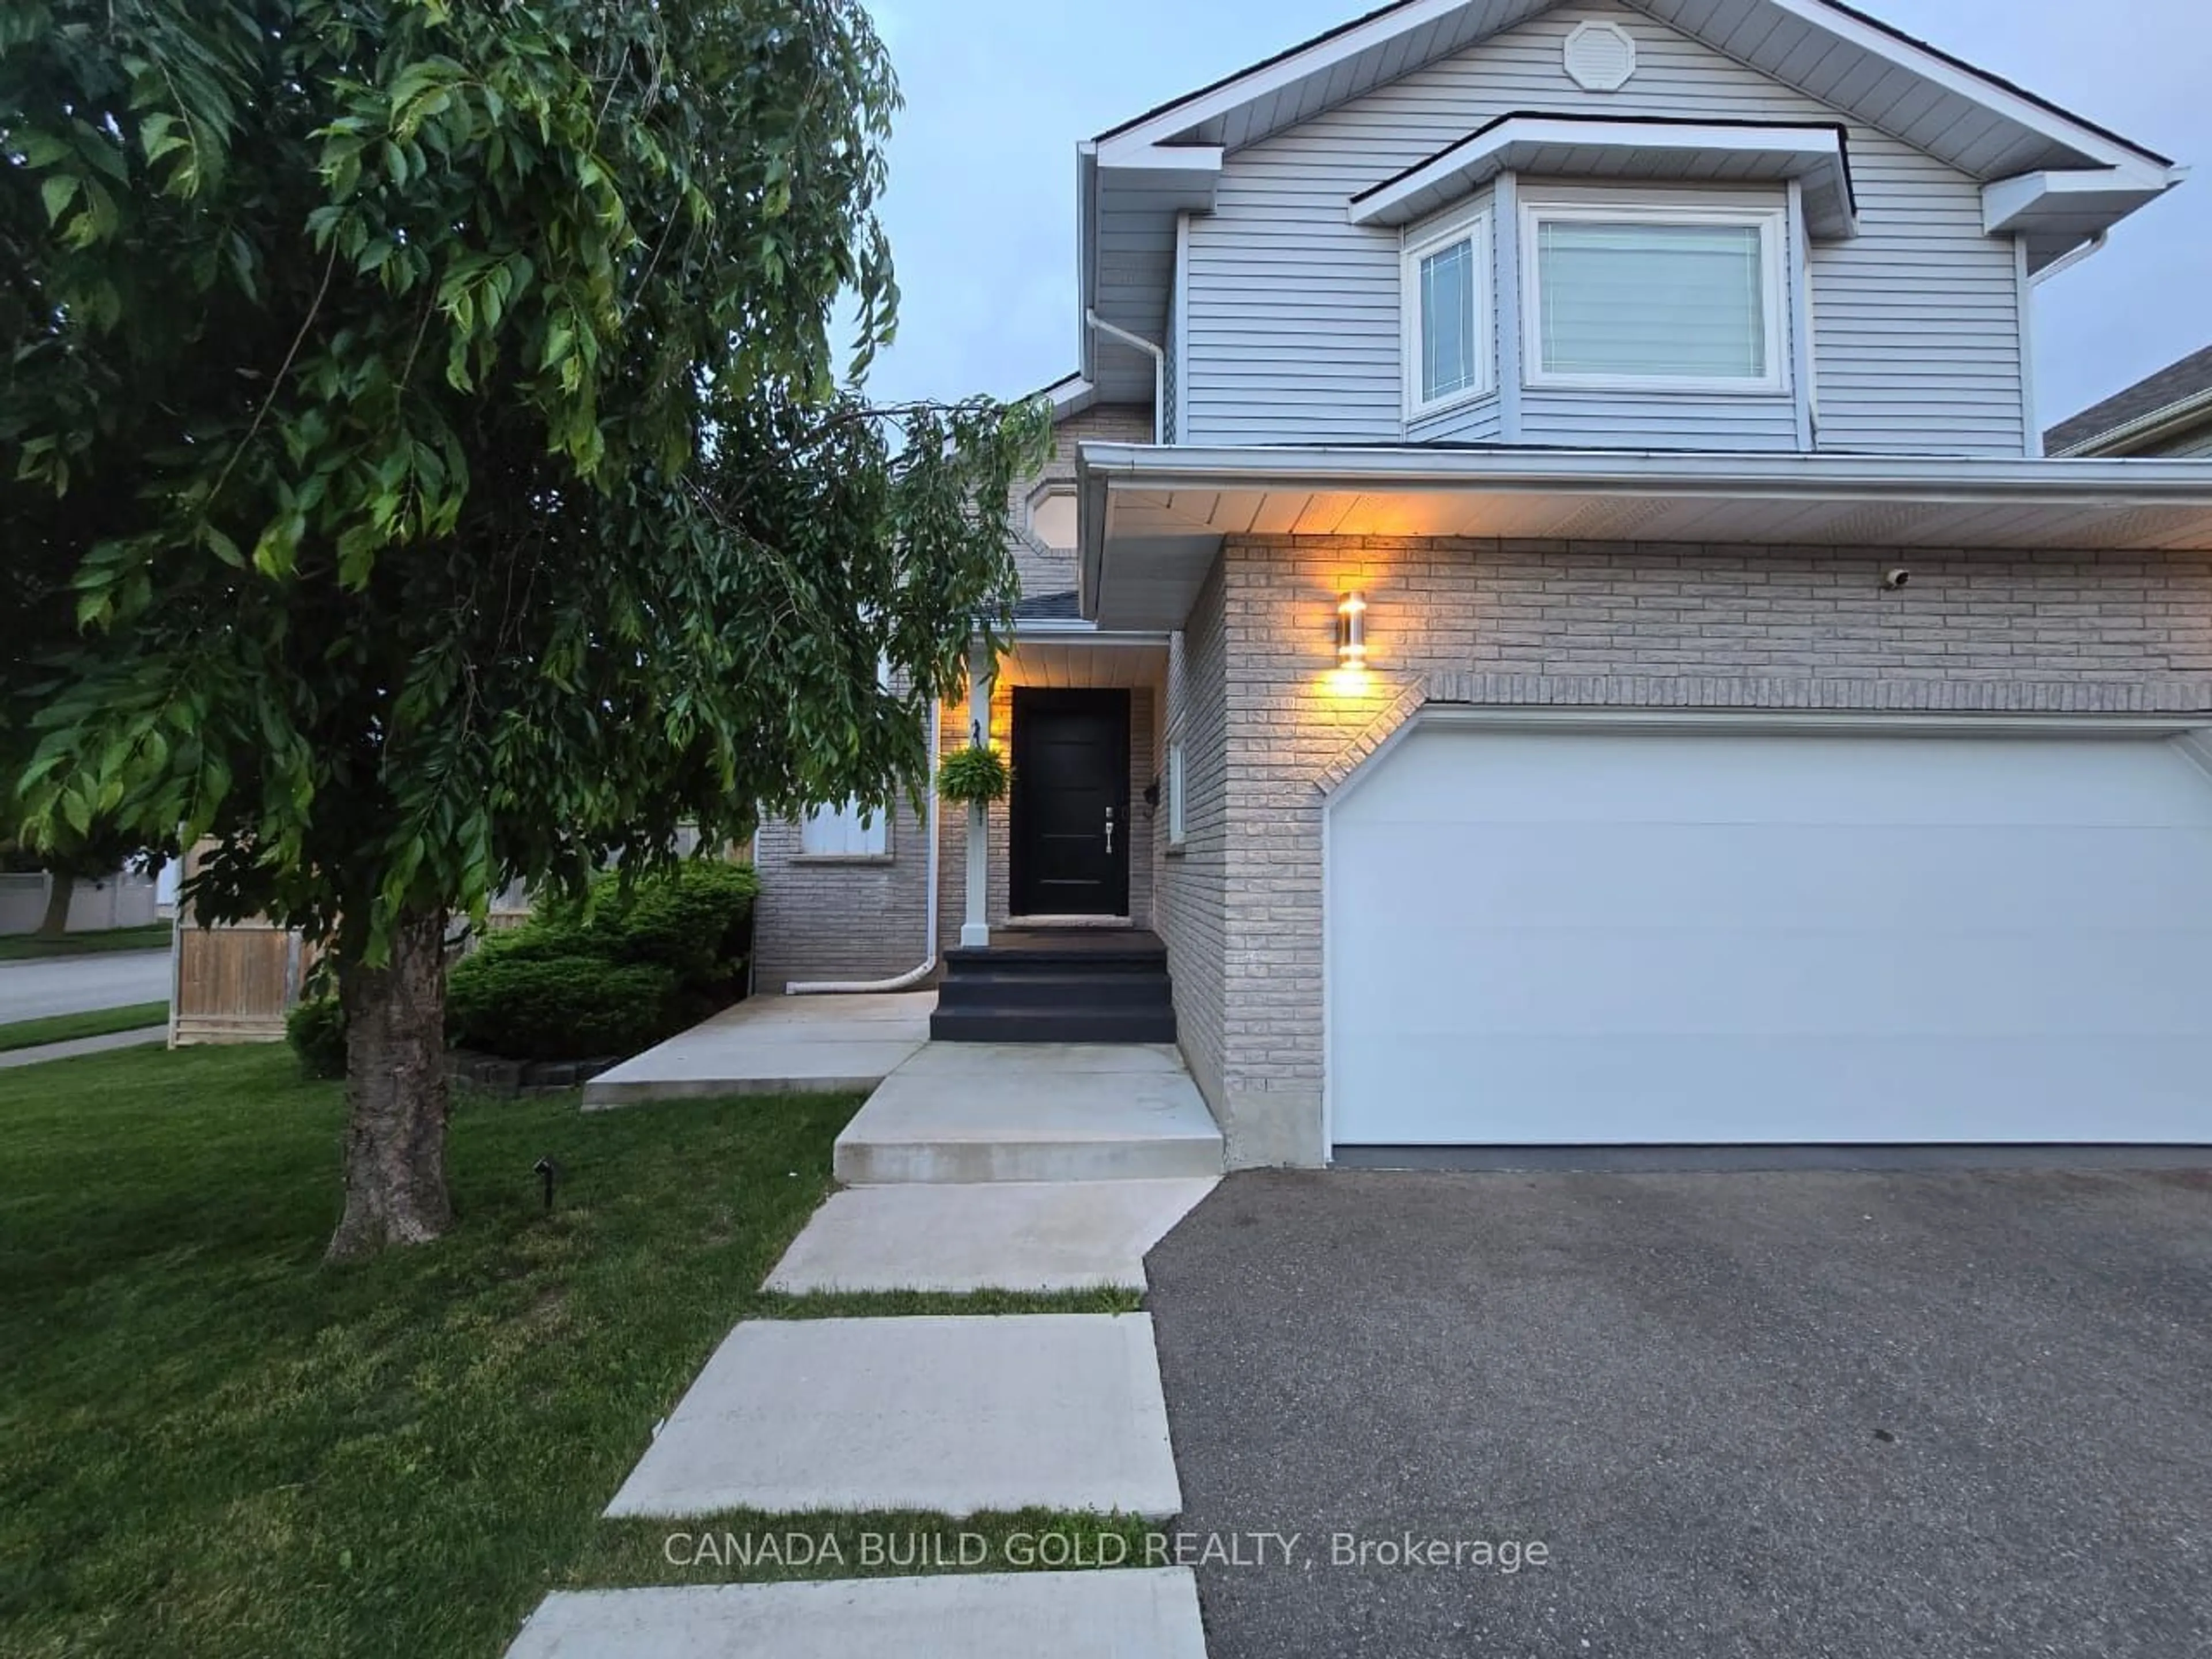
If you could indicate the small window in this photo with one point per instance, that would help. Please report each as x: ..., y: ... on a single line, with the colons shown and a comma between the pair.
x: 844, y: 832
x: 1174, y: 795
x: 1662, y: 298
x: 1053, y: 519
x: 1447, y: 311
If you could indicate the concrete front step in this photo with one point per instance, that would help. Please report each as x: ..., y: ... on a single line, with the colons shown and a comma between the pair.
x: 1075, y: 1022
x: 948, y: 1414
x: 1055, y: 991
x: 963, y: 1113
x: 1150, y: 1611
x: 998, y: 1236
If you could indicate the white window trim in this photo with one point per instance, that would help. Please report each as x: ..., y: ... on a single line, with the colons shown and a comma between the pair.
x: 1465, y: 224
x: 1048, y: 489
x: 1772, y: 223
x: 880, y: 828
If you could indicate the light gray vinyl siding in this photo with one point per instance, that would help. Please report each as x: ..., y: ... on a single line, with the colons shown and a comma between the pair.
x: 1473, y: 423
x: 1673, y: 420
x: 1292, y: 313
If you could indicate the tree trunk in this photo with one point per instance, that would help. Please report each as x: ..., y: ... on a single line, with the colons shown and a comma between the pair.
x: 395, y: 1097
x: 61, y: 887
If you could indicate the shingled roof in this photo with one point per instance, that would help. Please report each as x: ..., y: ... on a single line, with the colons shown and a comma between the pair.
x: 2173, y: 391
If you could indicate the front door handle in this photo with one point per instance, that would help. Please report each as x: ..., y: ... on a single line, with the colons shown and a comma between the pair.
x: 1109, y: 829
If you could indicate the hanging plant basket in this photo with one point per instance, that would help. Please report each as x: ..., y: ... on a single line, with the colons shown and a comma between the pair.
x: 975, y: 774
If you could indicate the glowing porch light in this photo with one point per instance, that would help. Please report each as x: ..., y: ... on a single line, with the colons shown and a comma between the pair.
x: 1351, y: 631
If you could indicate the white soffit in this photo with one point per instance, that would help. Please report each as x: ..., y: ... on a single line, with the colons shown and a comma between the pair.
x: 1156, y: 518
x: 1576, y: 147
x: 2055, y: 211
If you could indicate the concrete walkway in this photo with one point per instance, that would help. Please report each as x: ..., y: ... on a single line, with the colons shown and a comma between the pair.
x: 951, y: 1415
x: 775, y: 1045
x: 1138, y: 1614
x: 1023, y: 1168
x: 91, y: 1045
x: 1036, y: 1237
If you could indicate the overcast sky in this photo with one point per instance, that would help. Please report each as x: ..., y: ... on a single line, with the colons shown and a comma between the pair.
x: 982, y: 204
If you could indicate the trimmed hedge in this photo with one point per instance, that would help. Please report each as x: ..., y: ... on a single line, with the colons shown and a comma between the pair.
x: 697, y: 924
x: 611, y: 974
x: 583, y: 979
x: 556, y: 1007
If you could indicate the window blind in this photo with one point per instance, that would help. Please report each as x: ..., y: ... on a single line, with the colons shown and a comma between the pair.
x: 1448, y: 322
x: 1651, y: 300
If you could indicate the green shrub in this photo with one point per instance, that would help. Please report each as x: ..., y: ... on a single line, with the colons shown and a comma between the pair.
x: 316, y: 1029
x: 694, y: 923
x: 509, y: 1001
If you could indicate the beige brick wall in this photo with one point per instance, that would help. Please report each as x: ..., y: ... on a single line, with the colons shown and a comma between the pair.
x: 1043, y: 570
x: 1191, y: 913
x: 838, y: 920
x: 1626, y: 624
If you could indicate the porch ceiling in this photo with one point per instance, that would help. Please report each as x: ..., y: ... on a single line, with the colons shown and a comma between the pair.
x: 1084, y: 665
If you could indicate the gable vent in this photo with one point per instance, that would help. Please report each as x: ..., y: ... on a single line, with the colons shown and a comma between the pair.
x: 1601, y: 57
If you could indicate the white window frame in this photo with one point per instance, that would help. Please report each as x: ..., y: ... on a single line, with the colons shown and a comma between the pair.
x: 868, y: 836
x: 1470, y: 225
x: 1052, y: 490
x: 1772, y: 223
x: 1176, y: 829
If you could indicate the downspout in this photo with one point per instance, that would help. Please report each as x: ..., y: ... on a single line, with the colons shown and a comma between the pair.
x: 1158, y: 355
x: 2072, y: 257
x: 913, y: 976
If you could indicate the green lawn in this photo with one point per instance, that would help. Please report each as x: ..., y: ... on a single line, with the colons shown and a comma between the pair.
x: 210, y: 1443
x: 60, y: 1028
x: 22, y: 947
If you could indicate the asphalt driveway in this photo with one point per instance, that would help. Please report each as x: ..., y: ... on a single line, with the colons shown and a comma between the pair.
x: 1794, y: 1415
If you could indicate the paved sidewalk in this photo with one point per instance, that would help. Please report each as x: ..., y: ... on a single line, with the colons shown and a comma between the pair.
x: 91, y: 1045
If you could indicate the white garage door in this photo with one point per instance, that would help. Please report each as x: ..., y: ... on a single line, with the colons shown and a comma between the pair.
x: 1552, y: 937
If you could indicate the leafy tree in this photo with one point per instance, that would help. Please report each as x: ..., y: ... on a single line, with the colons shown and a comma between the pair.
x: 429, y: 414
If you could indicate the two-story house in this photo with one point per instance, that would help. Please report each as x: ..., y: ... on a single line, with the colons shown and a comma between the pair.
x: 1550, y: 604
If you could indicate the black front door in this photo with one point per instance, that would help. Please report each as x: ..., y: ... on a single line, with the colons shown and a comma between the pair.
x: 1070, y: 811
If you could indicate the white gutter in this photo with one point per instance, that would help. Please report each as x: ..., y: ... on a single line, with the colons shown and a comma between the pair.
x: 1654, y: 472
x: 1158, y: 355
x: 913, y: 976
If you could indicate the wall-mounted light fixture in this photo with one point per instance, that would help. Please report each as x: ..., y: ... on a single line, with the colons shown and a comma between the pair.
x: 1351, y: 631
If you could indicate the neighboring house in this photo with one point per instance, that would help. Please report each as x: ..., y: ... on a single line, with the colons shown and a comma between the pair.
x: 2169, y: 413
x: 1565, y: 604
